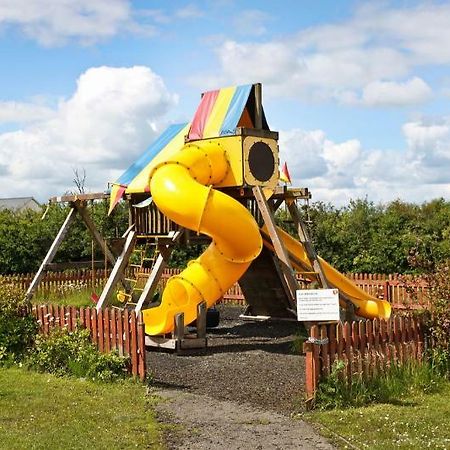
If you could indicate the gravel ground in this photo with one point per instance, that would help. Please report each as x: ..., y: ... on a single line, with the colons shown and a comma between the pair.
x: 246, y: 362
x: 239, y: 393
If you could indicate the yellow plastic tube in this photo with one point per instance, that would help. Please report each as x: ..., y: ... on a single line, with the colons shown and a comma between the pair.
x: 181, y: 187
x: 366, y: 305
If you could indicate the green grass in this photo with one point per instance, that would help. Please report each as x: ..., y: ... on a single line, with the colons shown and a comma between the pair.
x: 78, y: 299
x: 75, y: 297
x: 39, y: 411
x: 416, y: 421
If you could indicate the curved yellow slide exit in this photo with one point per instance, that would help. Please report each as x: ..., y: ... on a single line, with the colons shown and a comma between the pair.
x: 182, y: 189
x: 366, y: 305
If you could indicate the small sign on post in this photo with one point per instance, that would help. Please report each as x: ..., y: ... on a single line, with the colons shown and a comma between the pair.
x: 317, y: 305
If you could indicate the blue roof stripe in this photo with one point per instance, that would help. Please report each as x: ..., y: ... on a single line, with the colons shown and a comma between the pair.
x: 158, y: 145
x: 235, y: 109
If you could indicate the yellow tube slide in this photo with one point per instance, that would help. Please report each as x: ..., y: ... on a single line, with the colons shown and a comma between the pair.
x: 366, y: 305
x: 181, y: 187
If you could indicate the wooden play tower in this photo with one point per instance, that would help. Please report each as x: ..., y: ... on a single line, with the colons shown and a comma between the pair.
x: 270, y: 283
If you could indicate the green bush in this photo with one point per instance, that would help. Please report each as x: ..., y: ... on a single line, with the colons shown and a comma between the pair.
x: 17, y: 327
x: 438, y: 317
x: 72, y: 353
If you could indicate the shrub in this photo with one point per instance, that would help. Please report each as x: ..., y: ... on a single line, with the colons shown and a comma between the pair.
x: 17, y: 326
x: 72, y: 353
x: 436, y: 317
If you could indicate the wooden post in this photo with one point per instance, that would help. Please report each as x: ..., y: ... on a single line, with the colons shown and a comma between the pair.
x: 312, y: 367
x: 258, y: 106
x: 51, y: 253
x: 118, y: 270
x: 201, y: 320
x: 179, y: 330
x: 303, y: 234
x: 278, y: 245
x: 90, y: 225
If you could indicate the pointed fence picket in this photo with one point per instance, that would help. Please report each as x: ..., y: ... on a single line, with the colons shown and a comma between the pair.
x: 110, y: 329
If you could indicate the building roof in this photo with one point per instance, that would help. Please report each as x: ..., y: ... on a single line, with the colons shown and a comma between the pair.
x: 19, y: 203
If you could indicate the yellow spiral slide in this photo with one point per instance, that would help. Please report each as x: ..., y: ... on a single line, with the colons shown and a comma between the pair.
x: 182, y: 188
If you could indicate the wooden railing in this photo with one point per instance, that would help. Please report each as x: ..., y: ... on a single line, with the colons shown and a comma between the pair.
x: 110, y: 329
x: 366, y: 348
x: 403, y: 292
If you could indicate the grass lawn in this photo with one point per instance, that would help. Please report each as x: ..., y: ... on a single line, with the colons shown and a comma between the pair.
x: 419, y: 421
x: 40, y: 411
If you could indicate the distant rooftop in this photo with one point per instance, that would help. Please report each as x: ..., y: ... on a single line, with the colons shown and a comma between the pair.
x: 19, y: 204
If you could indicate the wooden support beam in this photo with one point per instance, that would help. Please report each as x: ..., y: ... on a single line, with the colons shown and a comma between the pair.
x: 278, y: 245
x: 118, y: 270
x: 157, y: 270
x: 276, y: 204
x: 51, y: 253
x: 82, y: 197
x: 90, y: 225
x: 314, y: 259
x: 303, y: 234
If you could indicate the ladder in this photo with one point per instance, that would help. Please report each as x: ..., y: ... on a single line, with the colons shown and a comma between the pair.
x: 142, y: 260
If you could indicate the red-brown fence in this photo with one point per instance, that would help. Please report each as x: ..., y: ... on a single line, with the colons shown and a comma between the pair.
x: 366, y: 348
x: 110, y: 329
x: 403, y: 292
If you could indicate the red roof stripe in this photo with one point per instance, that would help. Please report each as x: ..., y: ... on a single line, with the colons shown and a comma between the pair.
x: 202, y: 114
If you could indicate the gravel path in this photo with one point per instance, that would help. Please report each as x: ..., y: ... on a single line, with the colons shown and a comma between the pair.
x: 200, y: 422
x: 240, y: 392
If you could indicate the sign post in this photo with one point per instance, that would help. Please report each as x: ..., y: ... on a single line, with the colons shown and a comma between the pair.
x: 317, y: 305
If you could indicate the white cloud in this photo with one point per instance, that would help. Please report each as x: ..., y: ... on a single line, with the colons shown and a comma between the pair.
x: 54, y: 22
x: 337, y: 172
x: 364, y: 59
x: 391, y: 93
x: 109, y: 120
x: 20, y: 112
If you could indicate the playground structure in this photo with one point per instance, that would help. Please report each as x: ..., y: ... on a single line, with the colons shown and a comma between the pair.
x: 217, y: 177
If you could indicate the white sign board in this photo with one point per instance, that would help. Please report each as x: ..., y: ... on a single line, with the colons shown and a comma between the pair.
x: 317, y: 305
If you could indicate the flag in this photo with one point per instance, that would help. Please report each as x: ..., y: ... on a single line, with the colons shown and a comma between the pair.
x: 116, y: 194
x: 284, y: 174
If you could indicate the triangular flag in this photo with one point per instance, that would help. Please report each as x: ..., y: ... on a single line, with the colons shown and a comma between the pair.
x: 284, y: 174
x: 116, y: 194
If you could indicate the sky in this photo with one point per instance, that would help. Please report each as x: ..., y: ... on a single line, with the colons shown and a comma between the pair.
x: 359, y: 91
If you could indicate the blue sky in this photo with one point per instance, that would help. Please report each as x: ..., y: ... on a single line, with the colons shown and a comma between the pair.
x: 359, y: 90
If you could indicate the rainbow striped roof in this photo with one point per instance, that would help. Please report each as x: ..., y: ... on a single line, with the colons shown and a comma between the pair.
x: 219, y: 113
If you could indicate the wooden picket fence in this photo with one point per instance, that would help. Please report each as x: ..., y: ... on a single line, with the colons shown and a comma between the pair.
x: 403, y: 292
x: 110, y: 329
x: 366, y: 347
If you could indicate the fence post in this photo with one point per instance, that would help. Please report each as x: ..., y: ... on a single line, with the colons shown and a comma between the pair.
x: 141, y: 348
x: 312, y: 367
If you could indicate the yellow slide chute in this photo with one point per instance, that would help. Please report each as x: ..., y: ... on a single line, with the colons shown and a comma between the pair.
x: 365, y: 304
x: 182, y: 188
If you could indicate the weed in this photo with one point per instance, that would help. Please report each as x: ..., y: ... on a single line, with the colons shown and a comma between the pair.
x: 388, y: 387
x: 72, y: 353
